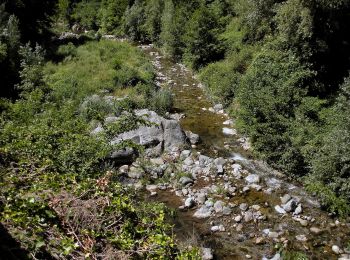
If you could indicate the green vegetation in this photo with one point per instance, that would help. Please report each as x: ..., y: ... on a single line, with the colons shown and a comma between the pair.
x: 59, y: 197
x: 278, y: 65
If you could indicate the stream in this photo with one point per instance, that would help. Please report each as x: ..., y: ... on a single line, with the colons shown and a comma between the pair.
x: 253, y: 227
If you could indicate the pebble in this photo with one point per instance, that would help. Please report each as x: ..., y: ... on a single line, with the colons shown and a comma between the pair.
x: 280, y: 210
x: 315, y: 230
x: 259, y: 240
x: 252, y: 178
x: 336, y: 249
x: 239, y: 228
x: 219, y: 228
x: 285, y: 198
x: 243, y: 206
x: 298, y: 210
x: 248, y: 216
x: 303, y: 222
x: 207, y: 253
x: 203, y: 212
x: 248, y: 256
x: 238, y: 218
x: 189, y: 203
x: 218, y: 206
x: 185, y: 180
x: 301, y: 238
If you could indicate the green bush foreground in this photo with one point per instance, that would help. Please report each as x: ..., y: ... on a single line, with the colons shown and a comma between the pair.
x: 59, y: 197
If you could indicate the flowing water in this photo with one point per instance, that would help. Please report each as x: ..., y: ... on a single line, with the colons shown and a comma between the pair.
x: 189, y: 99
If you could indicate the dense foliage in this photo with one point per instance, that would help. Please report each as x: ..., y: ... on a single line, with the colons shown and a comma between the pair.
x: 279, y: 65
x: 59, y: 195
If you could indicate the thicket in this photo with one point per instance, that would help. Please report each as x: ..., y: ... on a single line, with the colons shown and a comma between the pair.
x: 59, y: 196
x: 280, y: 66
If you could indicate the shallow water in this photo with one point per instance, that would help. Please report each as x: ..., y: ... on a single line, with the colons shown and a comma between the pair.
x: 189, y: 99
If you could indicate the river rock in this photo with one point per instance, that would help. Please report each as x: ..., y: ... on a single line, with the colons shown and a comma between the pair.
x: 301, y: 238
x: 291, y: 205
x: 303, y: 222
x: 158, y: 161
x: 185, y: 180
x: 218, y: 107
x: 226, y: 211
x: 229, y: 131
x: 285, y: 198
x: 201, y: 198
x: 252, y: 178
x: 218, y: 206
x: 151, y: 188
x: 207, y: 253
x: 135, y: 173
x: 316, y: 230
x: 238, y: 218
x: 298, y: 210
x: 192, y: 137
x: 219, y: 228
x: 204, y: 160
x: 189, y: 203
x: 243, y: 206
x: 248, y: 216
x: 203, y: 212
x: 280, y: 210
x: 185, y: 154
x: 336, y: 250
x: 188, y: 161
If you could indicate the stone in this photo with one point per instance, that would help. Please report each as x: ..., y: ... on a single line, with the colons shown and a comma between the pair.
x: 219, y: 228
x: 158, y: 161
x: 207, y: 253
x: 256, y: 207
x: 189, y: 203
x: 228, y: 122
x: 218, y: 107
x: 98, y: 130
x: 188, y: 161
x: 316, y: 230
x: 252, y: 178
x: 204, y: 160
x: 123, y: 156
x: 239, y: 228
x: 226, y: 211
x: 303, y: 222
x: 273, y: 234
x: 285, y: 198
x: 336, y: 250
x: 280, y: 210
x: 220, y: 169
x: 229, y: 131
x: 192, y: 137
x: 218, y: 206
x: 201, y: 198
x: 298, y: 210
x: 153, y: 193
x: 135, y: 173
x: 248, y: 216
x: 301, y: 238
x: 238, y: 218
x: 259, y: 241
x: 185, y: 154
x: 124, y: 169
x: 243, y: 206
x: 245, y: 189
x: 237, y: 168
x: 185, y: 180
x: 151, y: 188
x: 203, y: 212
x: 248, y: 256
x: 219, y: 161
x: 111, y: 119
x: 290, y: 206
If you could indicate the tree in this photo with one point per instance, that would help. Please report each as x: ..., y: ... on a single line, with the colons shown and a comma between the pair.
x: 111, y: 15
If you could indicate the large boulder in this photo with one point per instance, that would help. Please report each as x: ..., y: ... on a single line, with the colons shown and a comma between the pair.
x: 161, y: 134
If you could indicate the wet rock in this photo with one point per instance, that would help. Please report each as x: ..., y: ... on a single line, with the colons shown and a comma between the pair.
x: 185, y: 180
x: 252, y: 178
x: 290, y: 206
x: 285, y: 198
x: 203, y: 212
x: 301, y: 238
x: 243, y: 206
x: 218, y: 206
x: 189, y: 203
x: 280, y: 210
x: 192, y: 137
x: 207, y: 253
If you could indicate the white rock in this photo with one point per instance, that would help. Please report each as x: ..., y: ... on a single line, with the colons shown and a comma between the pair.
x: 189, y: 203
x: 229, y: 131
x: 252, y: 178
x: 280, y: 210
x: 336, y: 249
x: 207, y: 253
x: 301, y: 238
